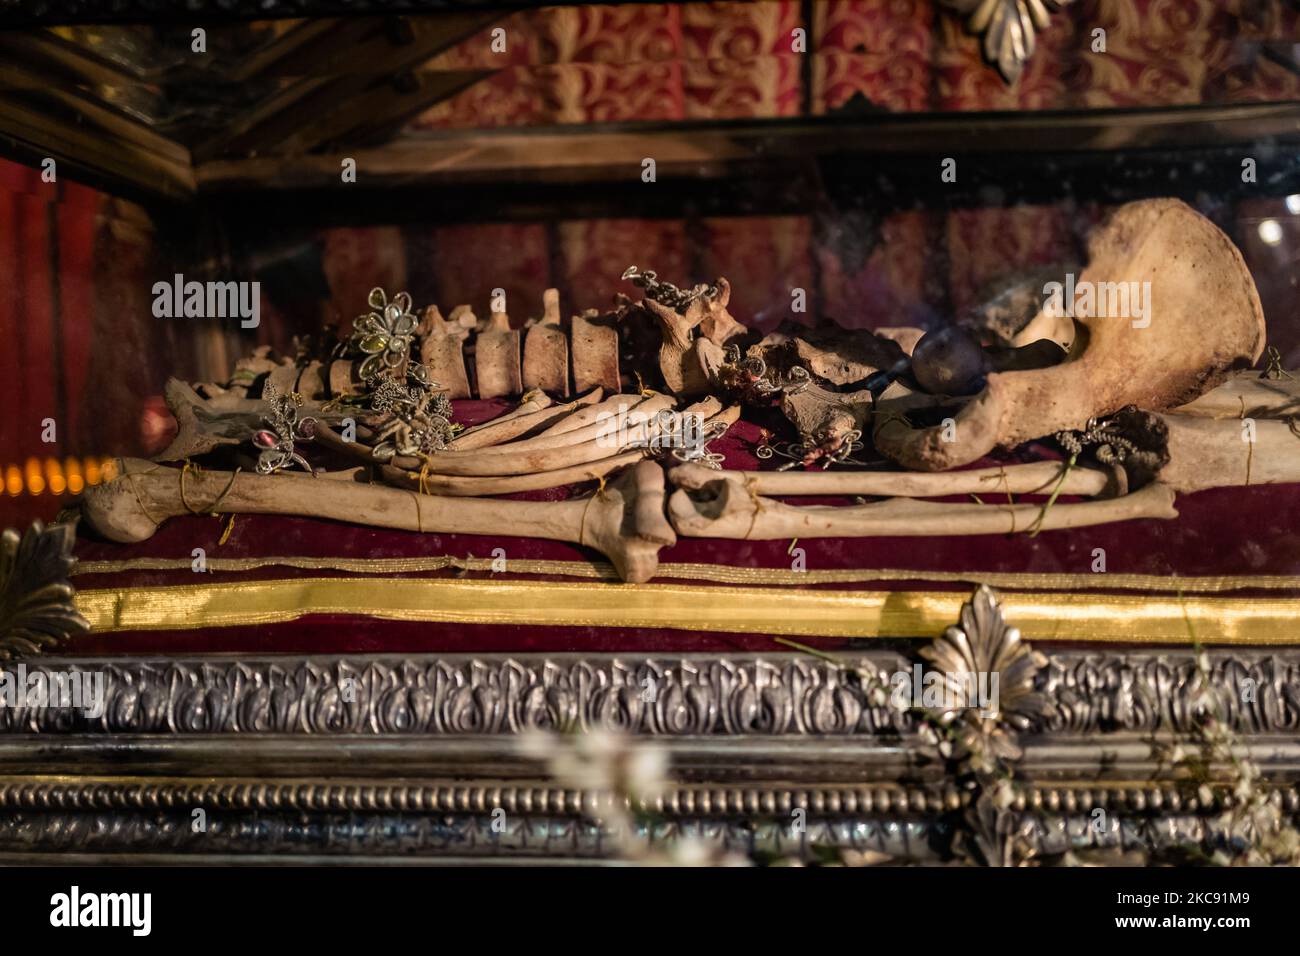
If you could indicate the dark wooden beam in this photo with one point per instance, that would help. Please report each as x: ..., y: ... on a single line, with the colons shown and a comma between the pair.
x: 80, y: 131
x: 373, y: 115
x: 338, y: 70
x: 614, y: 152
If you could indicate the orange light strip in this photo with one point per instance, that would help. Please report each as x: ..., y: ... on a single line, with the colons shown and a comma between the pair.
x: 70, y: 476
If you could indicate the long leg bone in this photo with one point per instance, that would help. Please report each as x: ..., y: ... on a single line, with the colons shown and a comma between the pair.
x: 624, y: 521
x: 726, y: 508
x: 1248, y: 395
x: 1220, y: 453
x: 1040, y: 477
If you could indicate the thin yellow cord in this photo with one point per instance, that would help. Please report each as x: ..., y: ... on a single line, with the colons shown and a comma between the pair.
x: 213, y: 508
x: 130, y: 480
x: 185, y: 470
x: 230, y: 526
x: 1037, y: 525
x: 419, y: 515
x: 582, y: 523
x: 751, y: 488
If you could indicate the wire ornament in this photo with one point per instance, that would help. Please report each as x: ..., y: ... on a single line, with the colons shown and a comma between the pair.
x: 278, y: 442
x: 665, y: 293
x: 801, y: 453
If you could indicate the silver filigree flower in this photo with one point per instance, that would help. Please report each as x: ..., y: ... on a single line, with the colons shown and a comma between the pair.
x: 384, y: 335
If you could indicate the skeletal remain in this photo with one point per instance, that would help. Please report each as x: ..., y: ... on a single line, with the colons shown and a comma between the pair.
x: 1011, y: 315
x: 1248, y: 395
x: 535, y: 412
x: 206, y: 424
x: 1040, y: 477
x: 839, y: 356
x: 625, y: 520
x: 603, y: 420
x: 481, y: 485
x: 345, y: 379
x: 442, y: 342
x: 594, y: 346
x: 496, y: 359
x: 592, y: 414
x: 546, y: 350
x: 1222, y: 453
x: 727, y: 508
x: 435, y: 483
x: 591, y: 444
x: 678, y: 363
x: 1204, y: 318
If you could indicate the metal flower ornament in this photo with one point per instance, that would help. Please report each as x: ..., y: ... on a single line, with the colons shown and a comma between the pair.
x: 1007, y: 28
x: 983, y: 643
x: 278, y: 443
x: 384, y: 335
x: 37, y: 608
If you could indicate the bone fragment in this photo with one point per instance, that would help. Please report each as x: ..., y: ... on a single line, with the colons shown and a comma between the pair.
x: 546, y: 350
x: 496, y: 359
x: 1202, y: 321
x: 1040, y: 478
x: 539, y: 454
x: 594, y: 346
x: 1222, y: 453
x: 533, y: 412
x: 624, y: 521
x: 441, y: 346
x: 206, y: 424
x: 1248, y: 395
x: 726, y: 508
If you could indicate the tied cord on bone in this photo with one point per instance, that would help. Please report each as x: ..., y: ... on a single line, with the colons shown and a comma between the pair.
x: 751, y: 489
x: 130, y: 481
x: 212, y: 509
x: 582, y: 523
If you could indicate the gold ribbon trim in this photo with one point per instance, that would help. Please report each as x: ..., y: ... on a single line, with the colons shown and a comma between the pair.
x: 1040, y: 616
x: 722, y: 574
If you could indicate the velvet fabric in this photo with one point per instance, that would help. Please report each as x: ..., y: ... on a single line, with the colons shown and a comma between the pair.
x: 1223, y: 532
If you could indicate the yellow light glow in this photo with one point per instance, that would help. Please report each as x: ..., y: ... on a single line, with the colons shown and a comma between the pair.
x: 72, y: 468
x: 35, y: 483
x: 54, y: 476
x: 70, y: 476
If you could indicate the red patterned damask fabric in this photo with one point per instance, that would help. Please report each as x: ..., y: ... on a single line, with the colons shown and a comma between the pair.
x: 742, y: 60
